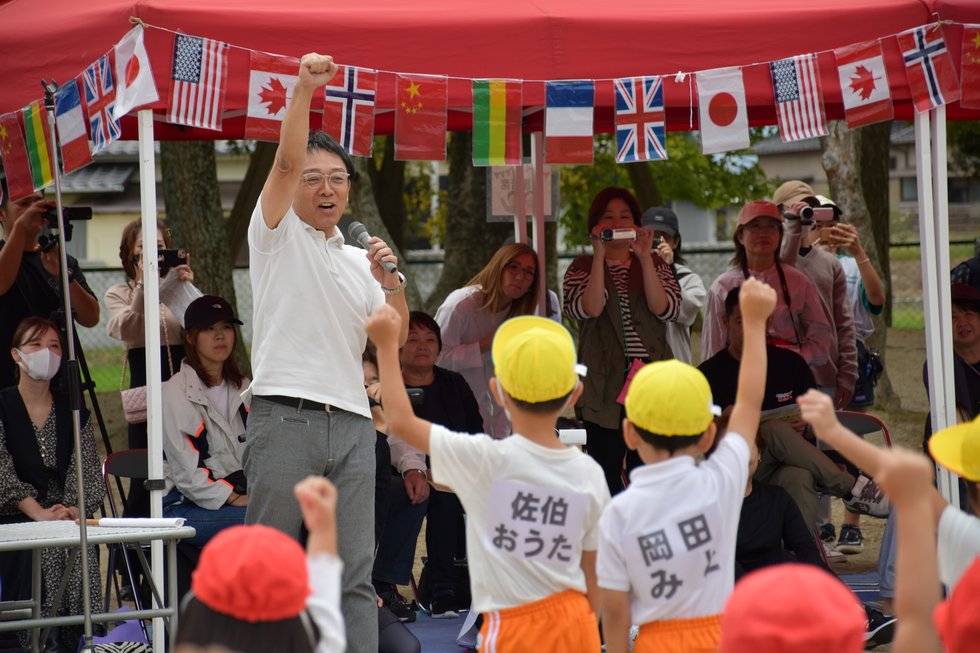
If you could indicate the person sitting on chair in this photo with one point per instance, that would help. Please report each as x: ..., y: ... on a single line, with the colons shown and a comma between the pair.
x: 204, y: 425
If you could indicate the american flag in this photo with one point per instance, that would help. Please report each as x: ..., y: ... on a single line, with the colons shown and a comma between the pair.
x: 799, y: 100
x: 198, y: 81
x: 100, y: 97
x: 640, y: 128
x: 348, y: 109
x: 930, y: 68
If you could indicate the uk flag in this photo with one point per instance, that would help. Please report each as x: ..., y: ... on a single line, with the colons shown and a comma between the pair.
x: 929, y: 67
x: 100, y: 96
x: 640, y: 119
x: 348, y: 109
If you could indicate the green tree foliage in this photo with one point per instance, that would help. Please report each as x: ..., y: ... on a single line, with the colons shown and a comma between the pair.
x: 710, y: 181
x: 963, y: 138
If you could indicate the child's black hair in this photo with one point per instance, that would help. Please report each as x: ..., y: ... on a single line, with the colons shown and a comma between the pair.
x: 669, y: 443
x: 542, y: 407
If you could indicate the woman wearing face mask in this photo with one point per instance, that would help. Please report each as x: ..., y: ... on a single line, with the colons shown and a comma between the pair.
x: 37, y: 472
x: 506, y: 287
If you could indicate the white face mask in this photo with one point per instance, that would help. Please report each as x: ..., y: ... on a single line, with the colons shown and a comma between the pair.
x: 40, y: 365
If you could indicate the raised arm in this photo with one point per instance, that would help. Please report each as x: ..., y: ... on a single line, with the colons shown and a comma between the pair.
x: 756, y: 301
x: 315, y: 70
x: 384, y: 327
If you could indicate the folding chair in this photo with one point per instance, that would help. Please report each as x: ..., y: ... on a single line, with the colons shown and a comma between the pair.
x: 864, y: 424
x: 131, y: 464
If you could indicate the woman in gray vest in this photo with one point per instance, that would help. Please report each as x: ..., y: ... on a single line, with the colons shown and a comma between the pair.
x: 622, y: 297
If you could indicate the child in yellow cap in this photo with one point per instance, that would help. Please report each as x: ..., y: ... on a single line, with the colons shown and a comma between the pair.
x: 532, y: 504
x: 667, y: 543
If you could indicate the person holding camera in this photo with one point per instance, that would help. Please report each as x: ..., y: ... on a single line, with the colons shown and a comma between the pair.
x: 507, y: 286
x: 30, y: 279
x: 663, y: 222
x: 124, y: 302
x: 623, y: 296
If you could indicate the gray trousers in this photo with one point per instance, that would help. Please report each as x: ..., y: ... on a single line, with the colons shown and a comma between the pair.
x: 793, y: 463
x: 285, y: 445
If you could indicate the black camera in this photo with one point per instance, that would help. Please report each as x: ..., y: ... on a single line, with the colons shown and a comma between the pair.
x: 656, y: 241
x: 171, y: 258
x: 416, y: 396
x: 805, y: 213
x: 68, y: 214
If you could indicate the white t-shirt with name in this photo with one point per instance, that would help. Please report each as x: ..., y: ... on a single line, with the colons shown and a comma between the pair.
x: 311, y: 297
x: 530, y: 512
x: 669, y: 538
x: 958, y: 544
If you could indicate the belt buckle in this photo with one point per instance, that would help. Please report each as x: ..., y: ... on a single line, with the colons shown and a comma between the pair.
x: 328, y: 408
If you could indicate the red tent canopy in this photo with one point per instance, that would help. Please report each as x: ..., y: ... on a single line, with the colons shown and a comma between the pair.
x: 539, y: 40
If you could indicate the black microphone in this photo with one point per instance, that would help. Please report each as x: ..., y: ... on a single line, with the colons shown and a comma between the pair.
x: 358, y: 232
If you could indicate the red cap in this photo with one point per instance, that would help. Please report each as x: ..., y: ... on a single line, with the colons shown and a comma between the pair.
x: 956, y: 617
x: 253, y: 573
x: 792, y: 608
x: 759, y: 209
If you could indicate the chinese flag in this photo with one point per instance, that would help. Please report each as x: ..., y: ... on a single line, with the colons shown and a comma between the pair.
x: 970, y: 68
x: 420, y: 118
x: 14, y: 152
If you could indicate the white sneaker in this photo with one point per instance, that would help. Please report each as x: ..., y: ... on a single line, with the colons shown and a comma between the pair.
x: 833, y: 555
x: 867, y: 498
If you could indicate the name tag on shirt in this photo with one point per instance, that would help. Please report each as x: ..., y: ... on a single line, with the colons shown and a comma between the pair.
x: 542, y: 524
x: 676, y: 558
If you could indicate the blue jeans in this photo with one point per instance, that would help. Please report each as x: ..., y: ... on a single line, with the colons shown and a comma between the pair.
x: 206, y: 522
x: 396, y: 551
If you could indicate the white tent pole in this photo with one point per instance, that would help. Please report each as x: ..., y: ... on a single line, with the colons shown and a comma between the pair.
x: 520, y: 205
x: 151, y: 314
x: 948, y: 481
x: 537, y: 158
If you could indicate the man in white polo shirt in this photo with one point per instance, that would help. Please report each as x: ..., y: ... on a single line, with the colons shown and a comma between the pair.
x: 312, y: 294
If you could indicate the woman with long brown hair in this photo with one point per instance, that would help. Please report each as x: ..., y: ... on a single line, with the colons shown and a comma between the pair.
x: 622, y: 296
x: 506, y: 287
x: 204, y: 425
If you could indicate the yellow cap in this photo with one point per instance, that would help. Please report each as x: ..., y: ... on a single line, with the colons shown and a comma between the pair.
x: 670, y: 398
x: 534, y: 359
x: 957, y: 448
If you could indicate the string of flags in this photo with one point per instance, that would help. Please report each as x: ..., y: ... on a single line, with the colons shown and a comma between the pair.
x: 88, y: 108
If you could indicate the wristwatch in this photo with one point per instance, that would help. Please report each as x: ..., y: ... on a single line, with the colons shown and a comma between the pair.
x: 397, y: 289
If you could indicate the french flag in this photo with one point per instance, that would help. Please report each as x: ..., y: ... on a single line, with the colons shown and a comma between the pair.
x: 569, y: 106
x: 71, y: 120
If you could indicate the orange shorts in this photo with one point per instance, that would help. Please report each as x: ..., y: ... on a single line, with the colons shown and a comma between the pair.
x: 561, y: 623
x: 698, y: 635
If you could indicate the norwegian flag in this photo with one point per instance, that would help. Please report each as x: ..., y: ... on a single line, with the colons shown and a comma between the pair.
x: 929, y: 67
x: 640, y: 128
x: 348, y: 109
x: 198, y: 81
x: 799, y: 99
x: 100, y: 98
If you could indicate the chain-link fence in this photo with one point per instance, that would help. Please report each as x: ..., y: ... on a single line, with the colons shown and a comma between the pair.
x: 104, y: 355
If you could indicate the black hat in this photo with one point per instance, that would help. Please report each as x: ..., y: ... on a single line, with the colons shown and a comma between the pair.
x: 208, y: 310
x: 660, y: 218
x: 963, y: 293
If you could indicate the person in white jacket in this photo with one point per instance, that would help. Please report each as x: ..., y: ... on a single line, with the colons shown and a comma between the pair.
x: 204, y: 425
x: 506, y: 287
x: 663, y: 222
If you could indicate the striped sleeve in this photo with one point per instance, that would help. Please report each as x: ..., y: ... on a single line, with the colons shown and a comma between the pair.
x: 673, y: 291
x: 573, y: 287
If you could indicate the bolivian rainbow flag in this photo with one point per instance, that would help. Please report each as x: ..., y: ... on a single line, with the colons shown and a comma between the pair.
x: 38, y: 153
x: 497, y: 122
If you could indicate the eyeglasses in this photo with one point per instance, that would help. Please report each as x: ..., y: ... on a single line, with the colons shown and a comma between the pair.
x: 516, y: 269
x: 316, y: 179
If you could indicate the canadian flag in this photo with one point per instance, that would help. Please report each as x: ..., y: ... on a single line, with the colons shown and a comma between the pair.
x: 134, y: 78
x: 721, y: 105
x: 864, y: 84
x: 271, y: 80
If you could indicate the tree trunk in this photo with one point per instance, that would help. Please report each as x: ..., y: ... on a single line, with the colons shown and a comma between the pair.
x: 259, y: 165
x: 195, y: 216
x: 841, y: 160
x: 388, y: 182
x: 470, y: 239
x: 644, y: 185
x: 365, y: 207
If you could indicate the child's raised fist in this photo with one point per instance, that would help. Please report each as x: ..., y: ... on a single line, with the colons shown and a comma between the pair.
x: 756, y: 299
x: 817, y: 409
x: 384, y: 325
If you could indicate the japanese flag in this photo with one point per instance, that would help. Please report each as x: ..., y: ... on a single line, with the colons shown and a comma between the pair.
x: 134, y: 78
x: 721, y: 105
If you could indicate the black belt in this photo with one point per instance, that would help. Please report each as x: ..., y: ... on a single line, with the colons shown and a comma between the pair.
x: 299, y: 403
